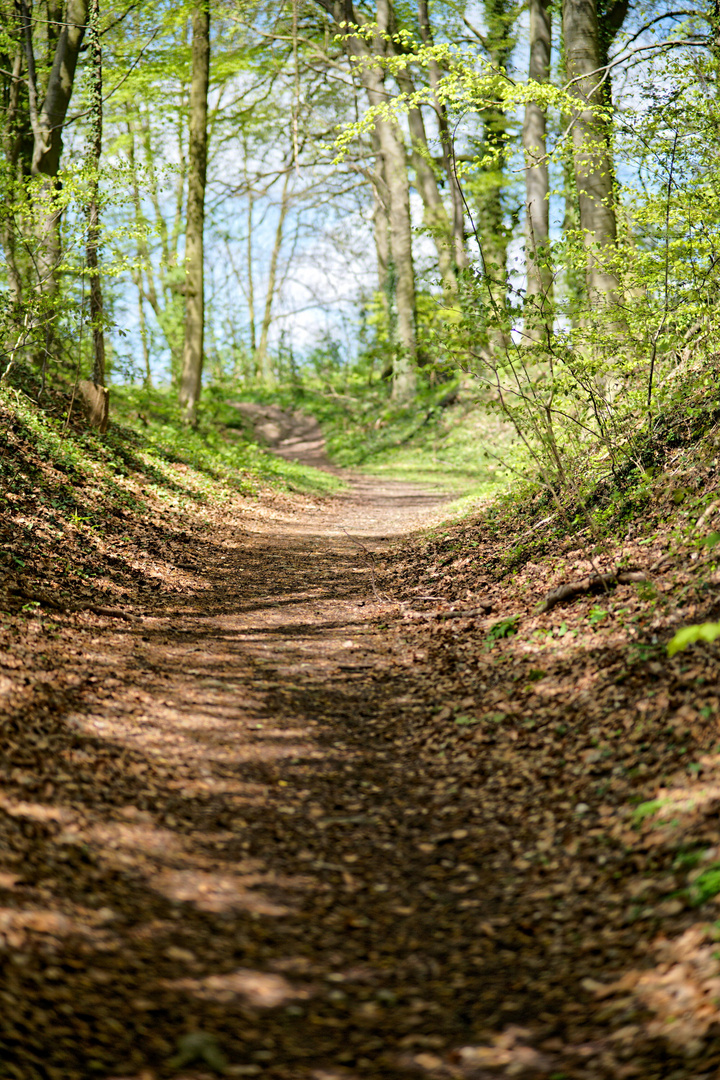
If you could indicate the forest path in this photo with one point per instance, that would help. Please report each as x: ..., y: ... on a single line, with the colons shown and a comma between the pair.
x: 286, y: 826
x: 289, y: 433
x: 232, y: 845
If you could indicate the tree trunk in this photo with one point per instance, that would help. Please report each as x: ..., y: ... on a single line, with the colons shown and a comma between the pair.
x: 47, y: 120
x: 263, y: 363
x: 392, y: 148
x: 145, y: 267
x: 381, y: 233
x: 93, y: 226
x: 394, y: 154
x: 592, y: 161
x: 165, y: 298
x: 381, y: 215
x: 611, y: 15
x: 250, y: 275
x: 538, y: 318
x: 435, y: 216
x: 11, y: 138
x: 492, y: 227
x: 446, y: 142
x: 192, y: 361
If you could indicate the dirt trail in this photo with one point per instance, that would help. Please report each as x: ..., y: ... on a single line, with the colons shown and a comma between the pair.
x: 228, y: 833
x: 291, y: 434
x: 284, y: 826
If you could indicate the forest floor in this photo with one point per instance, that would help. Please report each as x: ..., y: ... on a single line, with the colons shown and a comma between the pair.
x: 294, y: 792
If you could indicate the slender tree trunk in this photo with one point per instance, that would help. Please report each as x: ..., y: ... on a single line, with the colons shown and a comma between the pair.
x: 145, y: 266
x: 154, y: 189
x: 381, y: 233
x: 166, y: 301
x: 47, y: 118
x: 575, y: 284
x: 192, y: 362
x: 392, y: 148
x: 11, y: 143
x: 446, y: 142
x: 251, y: 276
x: 147, y: 372
x: 593, y: 164
x: 537, y: 185
x: 491, y: 222
x: 93, y: 227
x: 94, y: 391
x: 435, y: 216
x: 263, y: 363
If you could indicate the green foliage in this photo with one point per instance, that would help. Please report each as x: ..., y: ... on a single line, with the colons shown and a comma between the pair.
x: 688, y: 860
x: 690, y: 634
x: 150, y: 453
x: 705, y: 886
x: 503, y: 629
x: 596, y: 615
x: 438, y: 438
x: 219, y: 452
x: 648, y: 809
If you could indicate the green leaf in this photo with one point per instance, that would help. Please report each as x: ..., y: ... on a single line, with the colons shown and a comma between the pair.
x: 503, y: 629
x: 706, y: 886
x: 690, y: 634
x: 647, y: 809
x: 596, y: 615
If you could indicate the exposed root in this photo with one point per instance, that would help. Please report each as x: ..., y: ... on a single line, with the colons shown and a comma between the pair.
x: 68, y: 609
x: 592, y: 583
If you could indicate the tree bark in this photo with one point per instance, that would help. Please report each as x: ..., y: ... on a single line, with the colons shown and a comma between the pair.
x: 165, y: 297
x: 250, y: 275
x: 192, y: 362
x: 446, y: 142
x: 394, y: 154
x: 592, y: 160
x: 492, y: 226
x: 381, y: 215
x: 393, y: 151
x: 263, y: 363
x: 537, y: 186
x: 93, y: 226
x: 47, y: 119
x: 12, y: 138
x: 435, y: 216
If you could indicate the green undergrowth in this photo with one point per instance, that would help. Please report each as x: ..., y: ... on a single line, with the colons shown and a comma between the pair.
x: 145, y: 452
x: 678, y: 493
x: 219, y: 447
x: 443, y: 439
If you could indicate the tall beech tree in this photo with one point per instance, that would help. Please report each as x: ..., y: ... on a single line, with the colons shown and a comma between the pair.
x: 47, y: 113
x: 93, y: 226
x: 592, y: 161
x: 537, y: 181
x: 192, y: 361
x: 393, y: 150
x: 446, y: 144
x: 499, y: 42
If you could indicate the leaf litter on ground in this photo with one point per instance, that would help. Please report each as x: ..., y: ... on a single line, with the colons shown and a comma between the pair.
x: 476, y: 854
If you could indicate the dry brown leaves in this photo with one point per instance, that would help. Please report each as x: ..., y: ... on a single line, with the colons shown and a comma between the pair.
x: 333, y: 850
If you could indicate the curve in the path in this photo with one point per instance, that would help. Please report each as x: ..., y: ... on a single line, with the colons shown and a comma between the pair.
x: 289, y: 433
